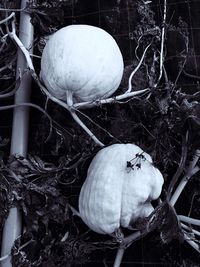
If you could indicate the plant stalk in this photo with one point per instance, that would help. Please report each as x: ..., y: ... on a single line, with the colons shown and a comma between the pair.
x: 81, y: 124
x: 119, y: 256
x: 19, y: 141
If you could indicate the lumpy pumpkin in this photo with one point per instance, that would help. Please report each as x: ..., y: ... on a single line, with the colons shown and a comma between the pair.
x: 120, y: 184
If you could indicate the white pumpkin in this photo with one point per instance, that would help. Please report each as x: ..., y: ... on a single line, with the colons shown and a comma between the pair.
x: 84, y: 60
x: 114, y: 194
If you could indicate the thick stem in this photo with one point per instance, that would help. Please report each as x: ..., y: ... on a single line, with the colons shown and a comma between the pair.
x: 119, y: 256
x: 125, y: 243
x: 19, y: 142
x: 189, y: 220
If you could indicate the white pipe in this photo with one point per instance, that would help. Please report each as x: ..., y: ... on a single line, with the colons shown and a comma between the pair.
x: 19, y: 141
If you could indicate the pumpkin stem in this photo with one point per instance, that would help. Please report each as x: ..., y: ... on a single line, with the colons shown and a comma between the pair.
x: 119, y: 256
x: 69, y: 99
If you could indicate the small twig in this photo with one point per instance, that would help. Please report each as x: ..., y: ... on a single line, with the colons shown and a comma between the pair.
x: 137, y: 46
x: 135, y: 70
x: 189, y: 75
x: 150, y: 31
x: 34, y: 106
x: 192, y: 169
x: 64, y: 238
x: 189, y: 220
x: 33, y: 55
x: 8, y: 65
x: 25, y: 245
x: 13, y: 10
x: 8, y: 18
x: 12, y: 92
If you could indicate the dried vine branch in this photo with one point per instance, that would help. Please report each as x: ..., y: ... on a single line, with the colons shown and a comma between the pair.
x: 8, y: 18
x: 136, y: 69
x: 34, y: 106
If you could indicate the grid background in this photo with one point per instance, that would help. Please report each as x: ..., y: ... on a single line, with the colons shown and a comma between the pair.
x: 97, y: 12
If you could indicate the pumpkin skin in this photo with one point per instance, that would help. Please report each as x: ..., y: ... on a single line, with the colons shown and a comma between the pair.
x: 114, y: 195
x: 83, y: 59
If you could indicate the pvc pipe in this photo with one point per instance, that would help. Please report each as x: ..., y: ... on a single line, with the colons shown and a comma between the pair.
x: 19, y: 141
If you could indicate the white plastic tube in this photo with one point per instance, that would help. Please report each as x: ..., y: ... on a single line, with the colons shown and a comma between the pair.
x: 19, y: 141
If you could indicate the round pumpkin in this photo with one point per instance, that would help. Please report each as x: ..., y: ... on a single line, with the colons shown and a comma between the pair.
x: 84, y: 60
x: 120, y: 184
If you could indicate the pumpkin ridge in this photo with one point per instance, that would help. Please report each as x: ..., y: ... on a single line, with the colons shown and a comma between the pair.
x: 97, y: 207
x: 87, y: 191
x: 90, y: 188
x: 123, y: 185
x: 108, y: 212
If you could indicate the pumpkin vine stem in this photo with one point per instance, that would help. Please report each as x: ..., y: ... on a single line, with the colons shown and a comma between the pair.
x: 69, y: 99
x: 119, y: 256
x: 7, y: 18
x: 127, y: 241
x: 136, y: 69
x: 110, y: 100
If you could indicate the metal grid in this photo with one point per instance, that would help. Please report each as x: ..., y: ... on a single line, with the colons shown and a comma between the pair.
x: 96, y: 15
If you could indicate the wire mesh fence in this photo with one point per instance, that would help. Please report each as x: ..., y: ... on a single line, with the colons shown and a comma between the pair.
x: 119, y: 18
